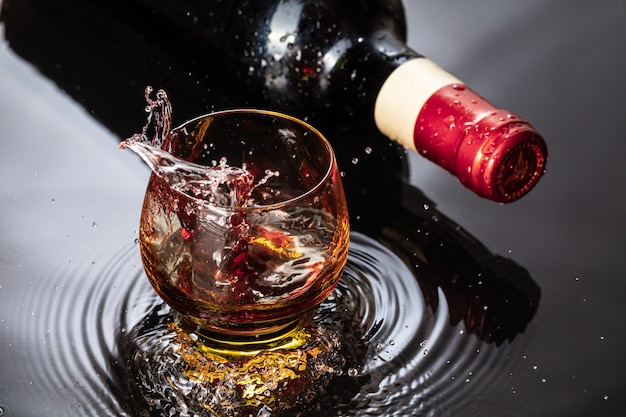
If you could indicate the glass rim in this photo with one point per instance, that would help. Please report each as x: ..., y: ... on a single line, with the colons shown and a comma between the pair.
x: 332, y: 161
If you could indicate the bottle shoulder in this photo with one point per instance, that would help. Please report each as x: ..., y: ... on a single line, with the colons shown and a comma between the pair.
x: 307, y: 54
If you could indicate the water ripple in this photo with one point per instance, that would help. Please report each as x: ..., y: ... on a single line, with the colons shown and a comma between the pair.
x: 414, y: 358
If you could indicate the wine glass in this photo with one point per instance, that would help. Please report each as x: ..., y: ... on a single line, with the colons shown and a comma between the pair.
x: 244, y: 229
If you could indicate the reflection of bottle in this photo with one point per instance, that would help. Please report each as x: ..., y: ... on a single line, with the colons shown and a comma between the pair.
x: 332, y: 62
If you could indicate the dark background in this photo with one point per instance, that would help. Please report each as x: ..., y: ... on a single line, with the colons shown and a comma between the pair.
x: 559, y: 64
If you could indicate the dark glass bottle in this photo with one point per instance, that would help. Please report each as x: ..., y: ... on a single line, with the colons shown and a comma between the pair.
x: 334, y: 63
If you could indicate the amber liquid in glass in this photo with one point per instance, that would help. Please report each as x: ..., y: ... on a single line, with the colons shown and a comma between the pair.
x: 265, y: 276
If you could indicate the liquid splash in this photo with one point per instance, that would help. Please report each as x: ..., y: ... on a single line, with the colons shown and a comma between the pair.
x: 219, y: 184
x: 170, y: 371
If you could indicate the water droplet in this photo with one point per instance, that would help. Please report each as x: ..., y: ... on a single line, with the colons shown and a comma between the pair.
x: 355, y: 161
x: 94, y: 224
x: 368, y: 150
x: 353, y: 372
x: 458, y: 87
x: 392, y: 342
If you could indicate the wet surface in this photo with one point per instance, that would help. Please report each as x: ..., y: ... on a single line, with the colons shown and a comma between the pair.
x: 72, y: 284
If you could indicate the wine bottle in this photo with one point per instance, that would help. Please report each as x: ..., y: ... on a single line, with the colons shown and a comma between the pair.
x: 332, y: 62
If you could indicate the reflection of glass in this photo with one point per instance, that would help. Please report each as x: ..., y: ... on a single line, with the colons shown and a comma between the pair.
x: 251, y: 236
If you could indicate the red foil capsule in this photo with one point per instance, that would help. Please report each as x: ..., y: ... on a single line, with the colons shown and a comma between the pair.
x: 493, y: 152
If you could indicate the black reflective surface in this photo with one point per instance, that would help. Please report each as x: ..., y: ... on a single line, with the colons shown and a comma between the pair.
x: 69, y: 204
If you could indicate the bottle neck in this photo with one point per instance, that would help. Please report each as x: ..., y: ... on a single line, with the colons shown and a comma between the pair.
x: 364, y: 69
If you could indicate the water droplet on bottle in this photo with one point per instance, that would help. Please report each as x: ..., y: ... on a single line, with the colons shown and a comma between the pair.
x: 353, y: 372
x: 458, y: 87
x: 355, y: 161
x: 368, y: 150
x: 94, y: 224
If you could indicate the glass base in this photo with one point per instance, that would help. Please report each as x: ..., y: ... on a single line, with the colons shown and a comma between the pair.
x: 239, y: 346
